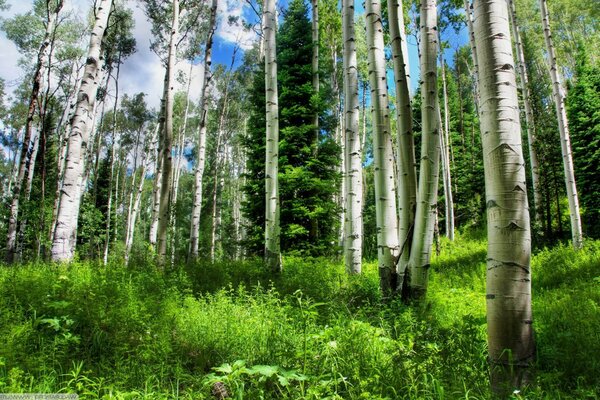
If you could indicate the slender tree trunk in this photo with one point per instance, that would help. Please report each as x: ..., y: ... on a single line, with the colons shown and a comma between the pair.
x: 315, y: 67
x: 166, y: 187
x: 386, y: 216
x: 272, y: 228
x: 529, y: 118
x: 407, y: 174
x: 563, y: 127
x: 199, y: 173
x: 473, y: 45
x: 352, y: 147
x: 153, y: 232
x: 508, y: 288
x: 63, y: 246
x: 447, y: 165
x: 43, y: 54
x: 420, y: 253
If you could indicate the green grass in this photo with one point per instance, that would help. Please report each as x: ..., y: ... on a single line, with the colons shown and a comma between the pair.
x: 311, y: 333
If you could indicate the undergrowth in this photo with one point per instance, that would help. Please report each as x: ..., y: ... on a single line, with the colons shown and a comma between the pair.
x: 310, y: 333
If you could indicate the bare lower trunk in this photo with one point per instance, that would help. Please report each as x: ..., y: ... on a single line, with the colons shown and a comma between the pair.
x: 508, y: 288
x: 420, y: 253
x: 407, y: 174
x: 203, y: 105
x: 386, y: 216
x: 63, y: 246
x: 563, y: 126
x: 272, y: 229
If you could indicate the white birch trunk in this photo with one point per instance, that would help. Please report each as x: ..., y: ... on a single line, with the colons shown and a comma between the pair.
x: 352, y: 147
x: 447, y: 166
x: 508, y: 288
x: 529, y: 118
x: 272, y: 228
x: 407, y: 174
x: 473, y: 45
x: 420, y: 253
x: 199, y: 173
x: 563, y: 127
x: 63, y: 245
x: 385, y: 203
x: 166, y: 187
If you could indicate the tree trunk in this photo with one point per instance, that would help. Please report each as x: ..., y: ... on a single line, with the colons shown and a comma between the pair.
x: 469, y: 15
x: 407, y: 174
x: 446, y: 164
x: 199, y: 173
x: 563, y: 127
x: 508, y: 288
x: 352, y: 147
x: 63, y: 246
x: 315, y: 67
x: 166, y: 187
x: 43, y: 54
x: 386, y: 216
x: 420, y: 253
x: 272, y: 228
x: 529, y: 118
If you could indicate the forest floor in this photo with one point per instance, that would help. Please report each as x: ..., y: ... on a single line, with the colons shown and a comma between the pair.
x: 311, y: 333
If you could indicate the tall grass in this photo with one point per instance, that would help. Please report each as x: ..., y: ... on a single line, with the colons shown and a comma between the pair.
x: 310, y: 333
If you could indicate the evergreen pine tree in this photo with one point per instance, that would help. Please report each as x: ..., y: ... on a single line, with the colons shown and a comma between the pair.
x: 308, y: 179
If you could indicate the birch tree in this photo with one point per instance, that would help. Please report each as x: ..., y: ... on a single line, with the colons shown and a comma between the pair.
x: 201, y: 146
x: 445, y: 147
x: 272, y: 228
x: 508, y: 287
x: 164, y: 209
x: 52, y: 11
x: 407, y: 174
x: 420, y: 252
x: 386, y: 216
x: 63, y: 245
x: 563, y: 126
x: 353, y: 147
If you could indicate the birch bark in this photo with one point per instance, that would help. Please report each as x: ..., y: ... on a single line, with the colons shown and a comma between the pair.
x: 63, y: 245
x: 405, y: 156
x: 420, y: 252
x: 508, y: 287
x: 386, y: 216
x: 353, y: 147
x: 272, y: 228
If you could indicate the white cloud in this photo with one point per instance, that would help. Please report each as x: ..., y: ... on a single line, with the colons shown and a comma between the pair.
x: 234, y: 33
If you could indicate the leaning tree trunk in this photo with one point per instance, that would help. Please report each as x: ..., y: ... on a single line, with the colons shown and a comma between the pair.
x: 43, y: 54
x: 272, y: 228
x: 448, y: 199
x: 420, y: 252
x: 352, y: 147
x: 203, y: 105
x: 407, y: 174
x: 508, y: 288
x: 563, y: 127
x: 167, y: 142
x: 63, y: 245
x: 529, y: 118
x: 385, y: 203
